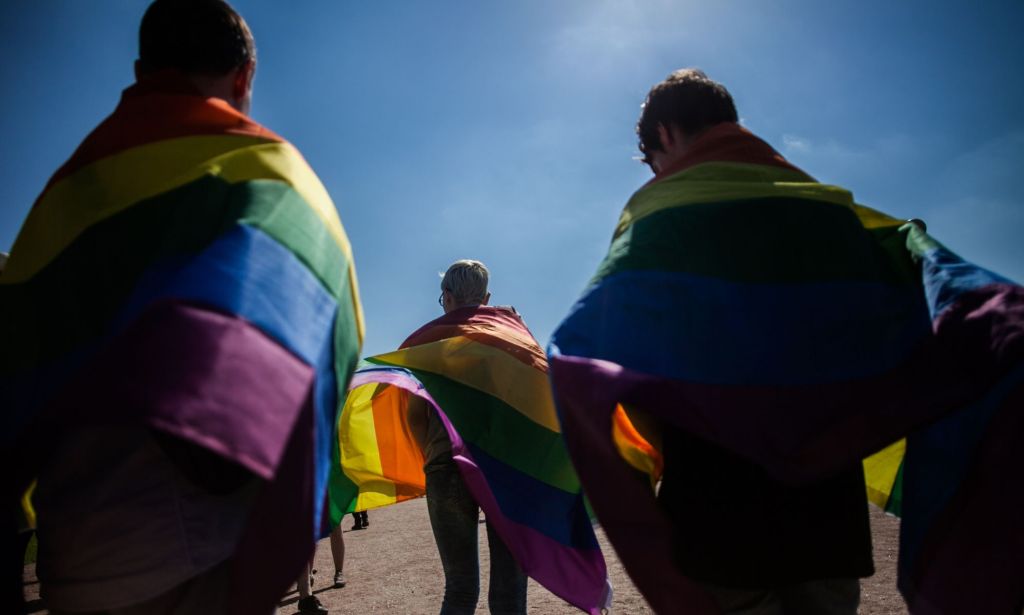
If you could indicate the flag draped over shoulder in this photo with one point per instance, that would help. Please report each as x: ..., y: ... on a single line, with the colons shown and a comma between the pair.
x: 772, y: 315
x: 187, y: 271
x: 483, y: 373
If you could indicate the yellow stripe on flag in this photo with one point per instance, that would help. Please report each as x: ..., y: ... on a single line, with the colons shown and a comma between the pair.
x: 486, y: 369
x: 717, y: 182
x: 871, y: 218
x: 880, y: 472
x: 112, y: 185
x: 360, y: 457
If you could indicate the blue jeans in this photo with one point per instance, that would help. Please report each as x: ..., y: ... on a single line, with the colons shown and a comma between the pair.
x: 454, y: 517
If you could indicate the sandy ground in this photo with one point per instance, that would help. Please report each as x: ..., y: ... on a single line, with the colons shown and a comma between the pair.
x: 393, y: 567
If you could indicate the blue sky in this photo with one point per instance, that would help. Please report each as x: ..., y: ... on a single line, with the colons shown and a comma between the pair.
x: 503, y: 131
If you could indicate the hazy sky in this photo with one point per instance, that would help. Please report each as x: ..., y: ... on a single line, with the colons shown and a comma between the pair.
x: 503, y: 130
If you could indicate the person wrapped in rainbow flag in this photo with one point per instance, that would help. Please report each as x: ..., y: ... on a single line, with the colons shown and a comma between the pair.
x: 180, y: 320
x: 463, y: 413
x: 751, y: 336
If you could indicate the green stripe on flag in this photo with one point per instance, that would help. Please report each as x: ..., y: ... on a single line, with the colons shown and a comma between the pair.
x: 73, y: 299
x: 776, y: 240
x: 497, y: 428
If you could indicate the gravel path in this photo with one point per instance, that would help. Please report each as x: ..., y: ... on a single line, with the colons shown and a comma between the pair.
x: 393, y: 567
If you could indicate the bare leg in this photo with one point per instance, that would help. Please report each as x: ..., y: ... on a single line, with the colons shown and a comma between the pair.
x: 308, y: 603
x: 338, y: 552
x: 303, y: 583
x: 338, y: 549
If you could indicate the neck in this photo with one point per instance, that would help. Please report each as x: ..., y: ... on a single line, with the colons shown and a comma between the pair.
x: 221, y: 87
x: 174, y: 81
x: 726, y: 142
x: 464, y: 305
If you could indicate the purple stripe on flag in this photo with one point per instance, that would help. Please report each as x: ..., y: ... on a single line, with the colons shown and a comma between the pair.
x: 217, y: 381
x: 206, y: 377
x: 629, y: 514
x: 587, y: 390
x: 819, y: 429
x: 554, y: 565
x: 985, y: 329
x: 277, y: 541
x: 973, y: 555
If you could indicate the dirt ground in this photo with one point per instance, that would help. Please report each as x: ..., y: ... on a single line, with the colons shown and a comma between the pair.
x: 393, y: 567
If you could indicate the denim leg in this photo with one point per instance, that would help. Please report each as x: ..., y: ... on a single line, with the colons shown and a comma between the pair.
x: 453, y: 518
x: 506, y: 594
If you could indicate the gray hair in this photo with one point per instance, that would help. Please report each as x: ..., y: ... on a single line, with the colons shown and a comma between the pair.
x: 466, y: 280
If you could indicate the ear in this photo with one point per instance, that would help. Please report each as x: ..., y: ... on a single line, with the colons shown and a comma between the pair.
x: 487, y: 298
x: 138, y: 69
x: 241, y: 84
x: 666, y: 137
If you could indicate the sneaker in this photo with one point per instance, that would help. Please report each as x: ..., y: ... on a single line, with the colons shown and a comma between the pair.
x: 311, y: 605
x: 339, y: 579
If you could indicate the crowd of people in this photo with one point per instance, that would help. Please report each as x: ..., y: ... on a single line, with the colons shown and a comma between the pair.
x: 218, y: 403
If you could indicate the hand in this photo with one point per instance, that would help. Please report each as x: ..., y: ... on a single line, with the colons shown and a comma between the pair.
x: 919, y: 242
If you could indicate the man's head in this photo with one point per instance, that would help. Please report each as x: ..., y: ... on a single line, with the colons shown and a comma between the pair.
x: 678, y: 110
x: 204, y: 39
x: 464, y: 284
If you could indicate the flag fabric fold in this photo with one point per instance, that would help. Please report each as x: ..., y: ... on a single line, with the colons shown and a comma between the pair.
x: 772, y: 315
x: 483, y: 373
x: 186, y: 271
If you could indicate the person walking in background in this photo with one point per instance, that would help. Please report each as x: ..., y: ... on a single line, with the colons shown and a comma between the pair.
x: 462, y: 412
x: 165, y: 417
x: 454, y: 512
x: 362, y: 520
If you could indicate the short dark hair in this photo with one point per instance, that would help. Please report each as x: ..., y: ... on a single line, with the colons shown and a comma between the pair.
x: 687, y: 99
x: 198, y: 37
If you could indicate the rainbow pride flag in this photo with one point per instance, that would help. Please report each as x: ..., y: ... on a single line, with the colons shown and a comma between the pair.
x: 187, y: 271
x: 744, y: 302
x: 486, y: 377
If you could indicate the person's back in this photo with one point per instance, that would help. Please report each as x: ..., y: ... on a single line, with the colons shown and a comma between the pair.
x: 453, y: 510
x: 769, y: 333
x: 744, y: 534
x: 95, y: 551
x: 176, y: 286
x: 462, y: 413
x: 736, y: 527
